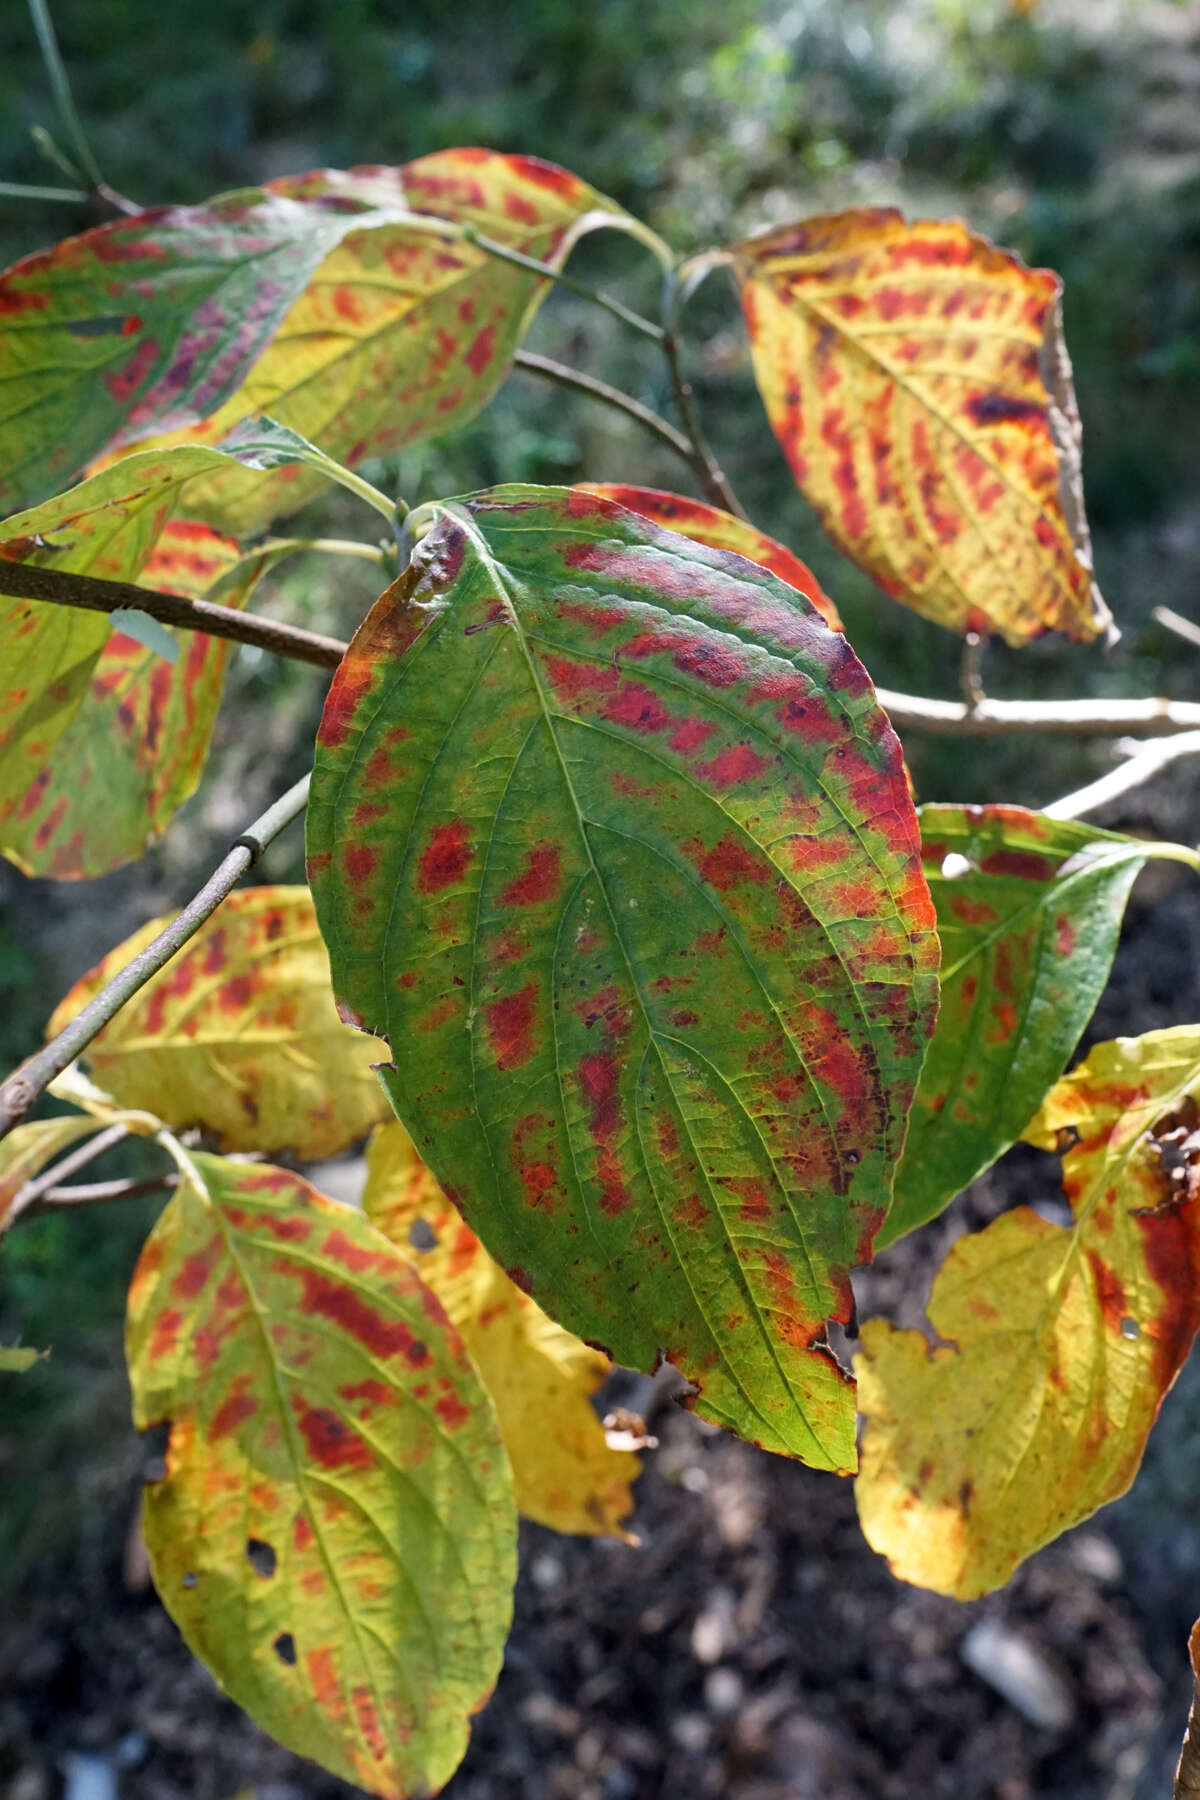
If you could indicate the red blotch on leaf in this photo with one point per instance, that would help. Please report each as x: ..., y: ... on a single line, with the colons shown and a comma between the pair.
x: 445, y: 859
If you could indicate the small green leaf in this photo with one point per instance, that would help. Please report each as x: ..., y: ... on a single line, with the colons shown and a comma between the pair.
x: 335, y: 1533
x: 1029, y: 910
x: 611, y: 841
x: 17, y: 1360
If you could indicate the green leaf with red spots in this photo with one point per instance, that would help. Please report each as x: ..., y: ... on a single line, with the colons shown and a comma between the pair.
x: 610, y: 839
x: 1029, y: 911
x: 147, y: 323
x: 1054, y: 1345
x: 724, y: 531
x: 238, y: 1034
x: 917, y: 380
x: 335, y: 1534
x: 76, y: 696
x: 405, y: 331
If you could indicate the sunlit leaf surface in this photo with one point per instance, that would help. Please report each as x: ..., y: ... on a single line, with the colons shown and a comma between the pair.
x: 1054, y: 1346
x: 238, y: 1034
x: 917, y: 380
x: 334, y: 1533
x: 539, y: 1376
x: 610, y: 839
x: 711, y: 525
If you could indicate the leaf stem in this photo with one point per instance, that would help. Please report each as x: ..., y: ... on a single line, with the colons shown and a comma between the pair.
x: 611, y: 396
x: 716, y: 484
x: 55, y: 587
x: 26, y: 190
x: 502, y: 253
x: 1175, y: 622
x: 26, y: 1084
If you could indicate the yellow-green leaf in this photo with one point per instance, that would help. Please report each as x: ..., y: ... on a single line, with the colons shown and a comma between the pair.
x: 18, y: 1360
x: 238, y: 1034
x: 403, y: 332
x: 335, y: 1531
x: 917, y: 380
x: 1054, y: 1346
x: 538, y: 1375
x: 28, y: 1149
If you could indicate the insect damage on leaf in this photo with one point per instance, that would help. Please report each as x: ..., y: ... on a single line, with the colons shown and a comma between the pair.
x: 610, y: 840
x: 333, y: 1530
x: 1054, y: 1347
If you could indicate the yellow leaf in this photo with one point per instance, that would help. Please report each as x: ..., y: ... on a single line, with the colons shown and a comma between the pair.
x: 538, y: 1375
x: 239, y: 1034
x: 1054, y: 1346
x: 917, y: 380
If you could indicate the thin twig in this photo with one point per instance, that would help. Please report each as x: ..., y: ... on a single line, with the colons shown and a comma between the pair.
x: 716, y: 484
x: 950, y: 718
x: 61, y: 1171
x: 72, y: 124
x: 24, y: 1086
x: 1052, y: 718
x: 1177, y: 623
x: 502, y: 253
x: 611, y: 396
x: 970, y: 674
x: 55, y: 587
x: 1144, y: 762
x: 26, y: 190
x: 95, y: 1193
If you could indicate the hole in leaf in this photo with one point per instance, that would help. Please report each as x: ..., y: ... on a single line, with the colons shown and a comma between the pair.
x: 954, y: 866
x: 285, y: 1648
x: 421, y: 1235
x: 260, y: 1556
x: 1130, y: 1329
x: 190, y: 1579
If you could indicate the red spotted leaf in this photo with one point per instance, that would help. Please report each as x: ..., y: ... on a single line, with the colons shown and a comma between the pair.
x: 1054, y: 1346
x: 405, y: 331
x: 238, y: 1034
x: 335, y: 1532
x: 1029, y: 910
x: 711, y: 525
x: 610, y: 840
x: 917, y: 380
x: 145, y: 323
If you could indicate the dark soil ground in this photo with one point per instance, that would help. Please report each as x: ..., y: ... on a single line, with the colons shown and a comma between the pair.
x: 753, y: 1646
